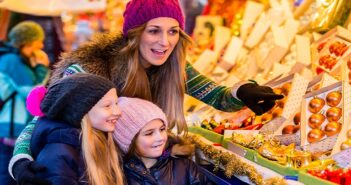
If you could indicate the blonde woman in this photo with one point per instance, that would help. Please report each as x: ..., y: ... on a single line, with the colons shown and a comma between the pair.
x: 147, y: 61
x: 73, y: 136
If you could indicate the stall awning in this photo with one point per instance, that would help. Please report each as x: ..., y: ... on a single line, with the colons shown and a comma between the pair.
x: 52, y: 7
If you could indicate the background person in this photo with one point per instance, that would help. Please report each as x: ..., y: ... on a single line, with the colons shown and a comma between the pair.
x: 23, y: 64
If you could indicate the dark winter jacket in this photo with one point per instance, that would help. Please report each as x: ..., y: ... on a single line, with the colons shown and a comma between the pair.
x: 167, y: 170
x: 57, y: 146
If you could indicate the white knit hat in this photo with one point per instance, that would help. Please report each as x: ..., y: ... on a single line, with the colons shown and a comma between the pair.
x: 135, y: 114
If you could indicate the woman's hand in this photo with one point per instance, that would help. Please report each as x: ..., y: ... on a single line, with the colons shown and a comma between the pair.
x: 259, y: 99
x: 25, y: 170
x: 40, y: 57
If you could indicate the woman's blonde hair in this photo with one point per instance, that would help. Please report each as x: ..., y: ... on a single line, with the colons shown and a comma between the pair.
x: 101, y: 156
x: 166, y: 85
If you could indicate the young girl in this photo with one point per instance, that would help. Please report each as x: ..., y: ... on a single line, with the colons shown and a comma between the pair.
x: 73, y: 139
x: 141, y: 133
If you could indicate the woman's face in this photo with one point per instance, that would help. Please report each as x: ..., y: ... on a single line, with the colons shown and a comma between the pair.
x: 104, y: 114
x: 158, y: 40
x: 152, y: 139
x: 29, y: 49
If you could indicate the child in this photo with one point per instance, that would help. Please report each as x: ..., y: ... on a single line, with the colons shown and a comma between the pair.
x: 141, y: 133
x: 73, y: 139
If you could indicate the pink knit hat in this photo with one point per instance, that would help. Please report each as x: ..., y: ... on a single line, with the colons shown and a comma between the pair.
x: 139, y: 12
x: 136, y: 113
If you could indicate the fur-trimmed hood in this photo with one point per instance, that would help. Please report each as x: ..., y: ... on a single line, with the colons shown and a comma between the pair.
x: 100, y: 56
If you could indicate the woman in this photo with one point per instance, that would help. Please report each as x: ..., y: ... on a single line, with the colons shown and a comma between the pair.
x: 148, y: 61
x: 23, y: 65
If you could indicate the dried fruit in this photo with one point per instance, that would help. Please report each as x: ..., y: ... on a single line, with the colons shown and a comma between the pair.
x: 316, y: 120
x: 333, y: 98
x: 289, y: 129
x: 316, y: 104
x: 332, y: 128
x: 277, y: 112
x: 315, y: 135
x: 286, y: 88
x: 297, y: 118
x: 334, y: 114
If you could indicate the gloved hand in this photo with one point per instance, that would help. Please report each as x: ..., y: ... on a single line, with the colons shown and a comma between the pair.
x: 179, y: 147
x: 259, y: 99
x: 24, y: 172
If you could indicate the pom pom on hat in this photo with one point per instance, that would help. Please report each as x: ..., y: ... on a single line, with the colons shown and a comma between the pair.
x: 72, y: 97
x: 34, y: 100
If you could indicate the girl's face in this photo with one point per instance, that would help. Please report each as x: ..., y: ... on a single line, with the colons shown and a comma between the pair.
x: 152, y: 139
x: 158, y: 40
x: 104, y: 114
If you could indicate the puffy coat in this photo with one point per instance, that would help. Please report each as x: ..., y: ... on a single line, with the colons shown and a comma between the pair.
x: 168, y: 170
x: 57, y: 146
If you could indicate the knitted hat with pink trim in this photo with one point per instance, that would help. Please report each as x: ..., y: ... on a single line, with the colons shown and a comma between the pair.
x: 70, y: 98
x: 139, y: 12
x: 135, y: 114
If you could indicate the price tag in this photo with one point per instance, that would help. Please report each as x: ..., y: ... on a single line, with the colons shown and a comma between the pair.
x: 236, y: 149
x: 272, y: 126
x: 321, y: 146
x: 343, y: 158
x: 229, y: 133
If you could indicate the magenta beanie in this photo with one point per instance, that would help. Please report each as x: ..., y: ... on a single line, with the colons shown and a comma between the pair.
x: 139, y: 12
x: 135, y: 114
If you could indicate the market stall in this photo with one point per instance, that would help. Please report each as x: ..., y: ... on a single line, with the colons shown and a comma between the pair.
x: 302, y: 50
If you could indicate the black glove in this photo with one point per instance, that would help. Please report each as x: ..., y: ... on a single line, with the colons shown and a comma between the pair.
x: 24, y: 172
x: 259, y: 99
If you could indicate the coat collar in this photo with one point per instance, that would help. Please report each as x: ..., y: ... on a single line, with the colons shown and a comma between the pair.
x: 101, y: 56
x: 135, y: 165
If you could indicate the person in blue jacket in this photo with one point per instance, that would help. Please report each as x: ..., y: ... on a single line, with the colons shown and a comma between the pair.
x: 73, y: 137
x: 141, y: 134
x: 23, y: 65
